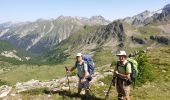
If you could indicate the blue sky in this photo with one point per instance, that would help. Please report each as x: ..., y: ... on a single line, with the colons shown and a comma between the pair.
x: 30, y: 10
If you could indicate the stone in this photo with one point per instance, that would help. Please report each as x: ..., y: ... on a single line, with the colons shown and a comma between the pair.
x: 65, y: 88
x: 4, y: 90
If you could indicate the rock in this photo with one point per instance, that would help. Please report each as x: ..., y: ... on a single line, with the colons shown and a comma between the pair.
x: 96, y: 73
x: 160, y: 39
x: 65, y: 88
x: 49, y: 96
x: 55, y: 89
x: 27, y: 85
x: 58, y: 84
x: 96, y: 78
x: 4, y: 90
x: 136, y: 52
x: 149, y: 48
x: 143, y: 51
x: 108, y: 73
x: 131, y: 55
x: 138, y: 40
x: 13, y: 94
x: 164, y: 71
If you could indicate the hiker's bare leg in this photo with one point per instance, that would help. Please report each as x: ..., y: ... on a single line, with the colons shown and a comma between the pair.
x: 86, y: 86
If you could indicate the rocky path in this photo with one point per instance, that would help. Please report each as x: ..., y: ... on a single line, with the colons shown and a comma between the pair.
x: 54, y: 85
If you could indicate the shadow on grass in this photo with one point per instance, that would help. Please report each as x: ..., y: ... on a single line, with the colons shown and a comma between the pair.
x: 66, y: 94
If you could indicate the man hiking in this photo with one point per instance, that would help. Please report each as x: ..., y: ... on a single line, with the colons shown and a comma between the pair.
x: 122, y: 76
x: 83, y: 73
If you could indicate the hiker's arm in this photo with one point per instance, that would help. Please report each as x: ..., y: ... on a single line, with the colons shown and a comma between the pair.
x: 127, y: 75
x: 84, y: 75
x: 123, y: 76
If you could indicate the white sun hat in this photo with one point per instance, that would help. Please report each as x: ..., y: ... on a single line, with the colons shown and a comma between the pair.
x: 121, y: 53
x: 79, y: 54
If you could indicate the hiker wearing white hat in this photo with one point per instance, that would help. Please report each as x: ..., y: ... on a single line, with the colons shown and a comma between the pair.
x: 83, y: 73
x: 122, y: 73
x: 121, y: 53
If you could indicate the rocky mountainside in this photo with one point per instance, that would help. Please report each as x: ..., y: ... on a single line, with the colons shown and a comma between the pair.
x: 61, y: 36
x: 148, y: 17
x: 117, y: 35
x: 89, y: 38
x: 40, y: 35
x: 10, y: 53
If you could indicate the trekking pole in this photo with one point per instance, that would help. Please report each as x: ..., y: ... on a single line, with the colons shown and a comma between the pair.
x: 68, y: 79
x: 107, y: 94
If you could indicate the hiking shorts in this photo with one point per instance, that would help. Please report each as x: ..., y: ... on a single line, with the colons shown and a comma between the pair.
x: 84, y: 85
x: 123, y: 88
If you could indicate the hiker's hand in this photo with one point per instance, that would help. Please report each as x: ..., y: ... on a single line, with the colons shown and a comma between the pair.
x: 116, y: 72
x: 83, y: 80
x: 112, y: 70
x: 68, y: 71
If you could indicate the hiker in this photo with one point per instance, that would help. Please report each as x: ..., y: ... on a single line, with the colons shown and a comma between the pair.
x: 122, y: 76
x: 83, y: 73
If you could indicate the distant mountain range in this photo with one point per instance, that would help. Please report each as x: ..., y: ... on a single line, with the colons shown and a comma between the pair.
x: 146, y: 29
x: 147, y: 17
x: 59, y: 37
x: 40, y: 35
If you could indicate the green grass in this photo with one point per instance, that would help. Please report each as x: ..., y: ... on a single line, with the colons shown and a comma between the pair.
x: 4, y: 82
x: 158, y: 89
x: 23, y: 73
x: 103, y: 57
x: 147, y: 30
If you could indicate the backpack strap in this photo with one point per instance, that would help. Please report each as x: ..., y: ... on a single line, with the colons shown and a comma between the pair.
x: 76, y: 64
x: 117, y: 65
x: 126, y: 66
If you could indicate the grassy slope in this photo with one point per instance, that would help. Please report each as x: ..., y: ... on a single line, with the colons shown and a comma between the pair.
x: 155, y: 90
x: 21, y: 73
x: 6, y: 46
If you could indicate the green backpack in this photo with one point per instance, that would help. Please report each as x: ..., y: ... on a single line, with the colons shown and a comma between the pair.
x: 134, y: 70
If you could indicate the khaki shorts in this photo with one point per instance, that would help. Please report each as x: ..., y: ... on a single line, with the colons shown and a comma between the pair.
x: 122, y: 87
x: 84, y: 85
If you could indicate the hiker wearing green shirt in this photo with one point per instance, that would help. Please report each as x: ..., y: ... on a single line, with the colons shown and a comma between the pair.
x: 83, y: 73
x: 122, y: 73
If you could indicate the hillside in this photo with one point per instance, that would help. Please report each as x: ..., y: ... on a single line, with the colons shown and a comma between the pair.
x: 115, y: 36
x: 33, y: 55
x: 155, y: 78
x: 12, y: 54
x: 37, y: 37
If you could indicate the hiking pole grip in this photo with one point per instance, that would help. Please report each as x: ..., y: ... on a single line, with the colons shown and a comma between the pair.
x: 66, y: 68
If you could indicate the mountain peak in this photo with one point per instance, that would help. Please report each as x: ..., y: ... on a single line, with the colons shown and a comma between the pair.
x: 99, y: 17
x: 166, y: 9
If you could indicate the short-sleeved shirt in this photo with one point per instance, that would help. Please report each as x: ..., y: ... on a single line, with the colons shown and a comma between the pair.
x: 81, y: 68
x: 124, y: 68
